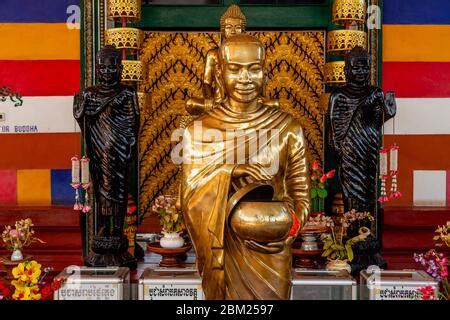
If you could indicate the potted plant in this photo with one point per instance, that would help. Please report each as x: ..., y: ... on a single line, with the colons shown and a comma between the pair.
x: 171, y: 221
x: 15, y: 239
x: 337, y: 245
x: 318, y: 191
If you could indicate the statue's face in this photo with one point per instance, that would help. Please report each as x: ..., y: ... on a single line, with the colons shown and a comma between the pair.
x: 358, y: 71
x: 109, y: 71
x: 232, y: 27
x: 242, y: 70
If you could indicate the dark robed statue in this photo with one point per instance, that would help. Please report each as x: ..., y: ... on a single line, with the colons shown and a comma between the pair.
x: 108, y: 115
x: 358, y: 111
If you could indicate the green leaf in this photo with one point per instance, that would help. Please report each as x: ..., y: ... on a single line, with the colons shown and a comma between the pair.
x: 313, y: 193
x: 327, y: 252
x: 327, y: 245
x: 349, y: 249
x: 322, y: 193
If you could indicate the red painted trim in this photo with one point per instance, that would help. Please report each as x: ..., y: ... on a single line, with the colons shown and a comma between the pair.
x: 41, y: 77
x: 417, y: 79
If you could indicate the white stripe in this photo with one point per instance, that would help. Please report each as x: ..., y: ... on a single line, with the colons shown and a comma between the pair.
x: 430, y: 188
x: 44, y: 114
x: 421, y: 116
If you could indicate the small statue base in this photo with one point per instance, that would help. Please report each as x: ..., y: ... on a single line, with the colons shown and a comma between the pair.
x: 306, y: 259
x: 170, y: 257
x: 111, y: 251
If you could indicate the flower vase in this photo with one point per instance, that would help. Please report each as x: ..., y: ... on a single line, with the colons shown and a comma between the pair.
x: 338, y: 265
x: 171, y: 240
x: 17, y: 255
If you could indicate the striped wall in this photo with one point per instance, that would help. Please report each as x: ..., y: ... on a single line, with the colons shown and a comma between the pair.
x: 40, y: 59
x: 416, y: 65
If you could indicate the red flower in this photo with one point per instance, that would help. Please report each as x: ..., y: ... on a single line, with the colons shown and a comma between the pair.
x: 313, y: 177
x: 46, y: 291
x: 323, y: 178
x: 330, y: 174
x: 5, y: 292
x: 295, y: 225
x: 315, y: 165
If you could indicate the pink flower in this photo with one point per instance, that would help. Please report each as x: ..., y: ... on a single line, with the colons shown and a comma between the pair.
x: 323, y: 178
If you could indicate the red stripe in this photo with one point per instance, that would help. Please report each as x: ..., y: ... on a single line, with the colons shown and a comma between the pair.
x: 38, y: 150
x: 41, y: 77
x: 447, y: 188
x: 417, y: 79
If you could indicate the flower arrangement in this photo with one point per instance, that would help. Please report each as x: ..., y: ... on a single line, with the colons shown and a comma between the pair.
x: 169, y: 217
x: 20, y: 236
x: 319, y: 222
x: 338, y: 244
x: 318, y: 191
x: 28, y: 283
x: 436, y: 265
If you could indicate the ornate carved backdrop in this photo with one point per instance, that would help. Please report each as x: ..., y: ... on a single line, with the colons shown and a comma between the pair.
x: 175, y: 63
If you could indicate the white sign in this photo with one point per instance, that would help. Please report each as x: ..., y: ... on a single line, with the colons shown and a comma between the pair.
x: 397, y: 293
x: 173, y: 292
x: 89, y: 291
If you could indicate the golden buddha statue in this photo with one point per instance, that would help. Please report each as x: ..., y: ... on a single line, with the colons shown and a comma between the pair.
x: 245, y: 182
x: 232, y: 22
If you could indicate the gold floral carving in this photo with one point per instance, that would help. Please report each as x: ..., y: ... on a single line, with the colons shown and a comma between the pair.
x: 124, y: 38
x: 295, y: 63
x: 341, y: 41
x: 130, y: 9
x: 334, y: 72
x: 348, y: 10
x: 133, y: 70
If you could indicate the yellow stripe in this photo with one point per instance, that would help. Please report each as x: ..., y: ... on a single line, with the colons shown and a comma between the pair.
x: 421, y: 43
x: 39, y: 41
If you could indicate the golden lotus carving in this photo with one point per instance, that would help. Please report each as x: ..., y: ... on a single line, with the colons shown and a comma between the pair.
x: 346, y: 11
x: 341, y: 41
x: 130, y: 9
x: 334, y: 72
x: 124, y: 38
x: 133, y: 70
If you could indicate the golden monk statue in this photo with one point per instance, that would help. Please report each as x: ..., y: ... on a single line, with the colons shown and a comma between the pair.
x: 245, y: 187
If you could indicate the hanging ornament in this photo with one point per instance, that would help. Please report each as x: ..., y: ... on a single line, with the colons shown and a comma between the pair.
x: 85, y: 182
x: 76, y: 183
x: 394, y: 194
x: 383, y: 174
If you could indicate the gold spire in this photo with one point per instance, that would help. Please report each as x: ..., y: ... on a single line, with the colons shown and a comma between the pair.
x: 233, y: 12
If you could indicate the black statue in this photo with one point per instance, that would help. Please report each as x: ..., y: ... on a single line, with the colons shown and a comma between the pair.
x: 108, y: 115
x: 358, y: 111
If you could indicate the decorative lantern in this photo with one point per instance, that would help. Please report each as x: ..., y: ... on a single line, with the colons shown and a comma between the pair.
x: 130, y: 9
x: 347, y: 11
x: 334, y: 73
x: 342, y: 41
x: 124, y: 38
x: 133, y: 70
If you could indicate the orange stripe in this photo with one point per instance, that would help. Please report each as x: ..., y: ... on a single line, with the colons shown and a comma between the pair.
x: 417, y: 152
x: 38, y: 151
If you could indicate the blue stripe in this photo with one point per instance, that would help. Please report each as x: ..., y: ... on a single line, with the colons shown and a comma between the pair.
x: 36, y: 10
x: 62, y: 192
x: 416, y: 12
